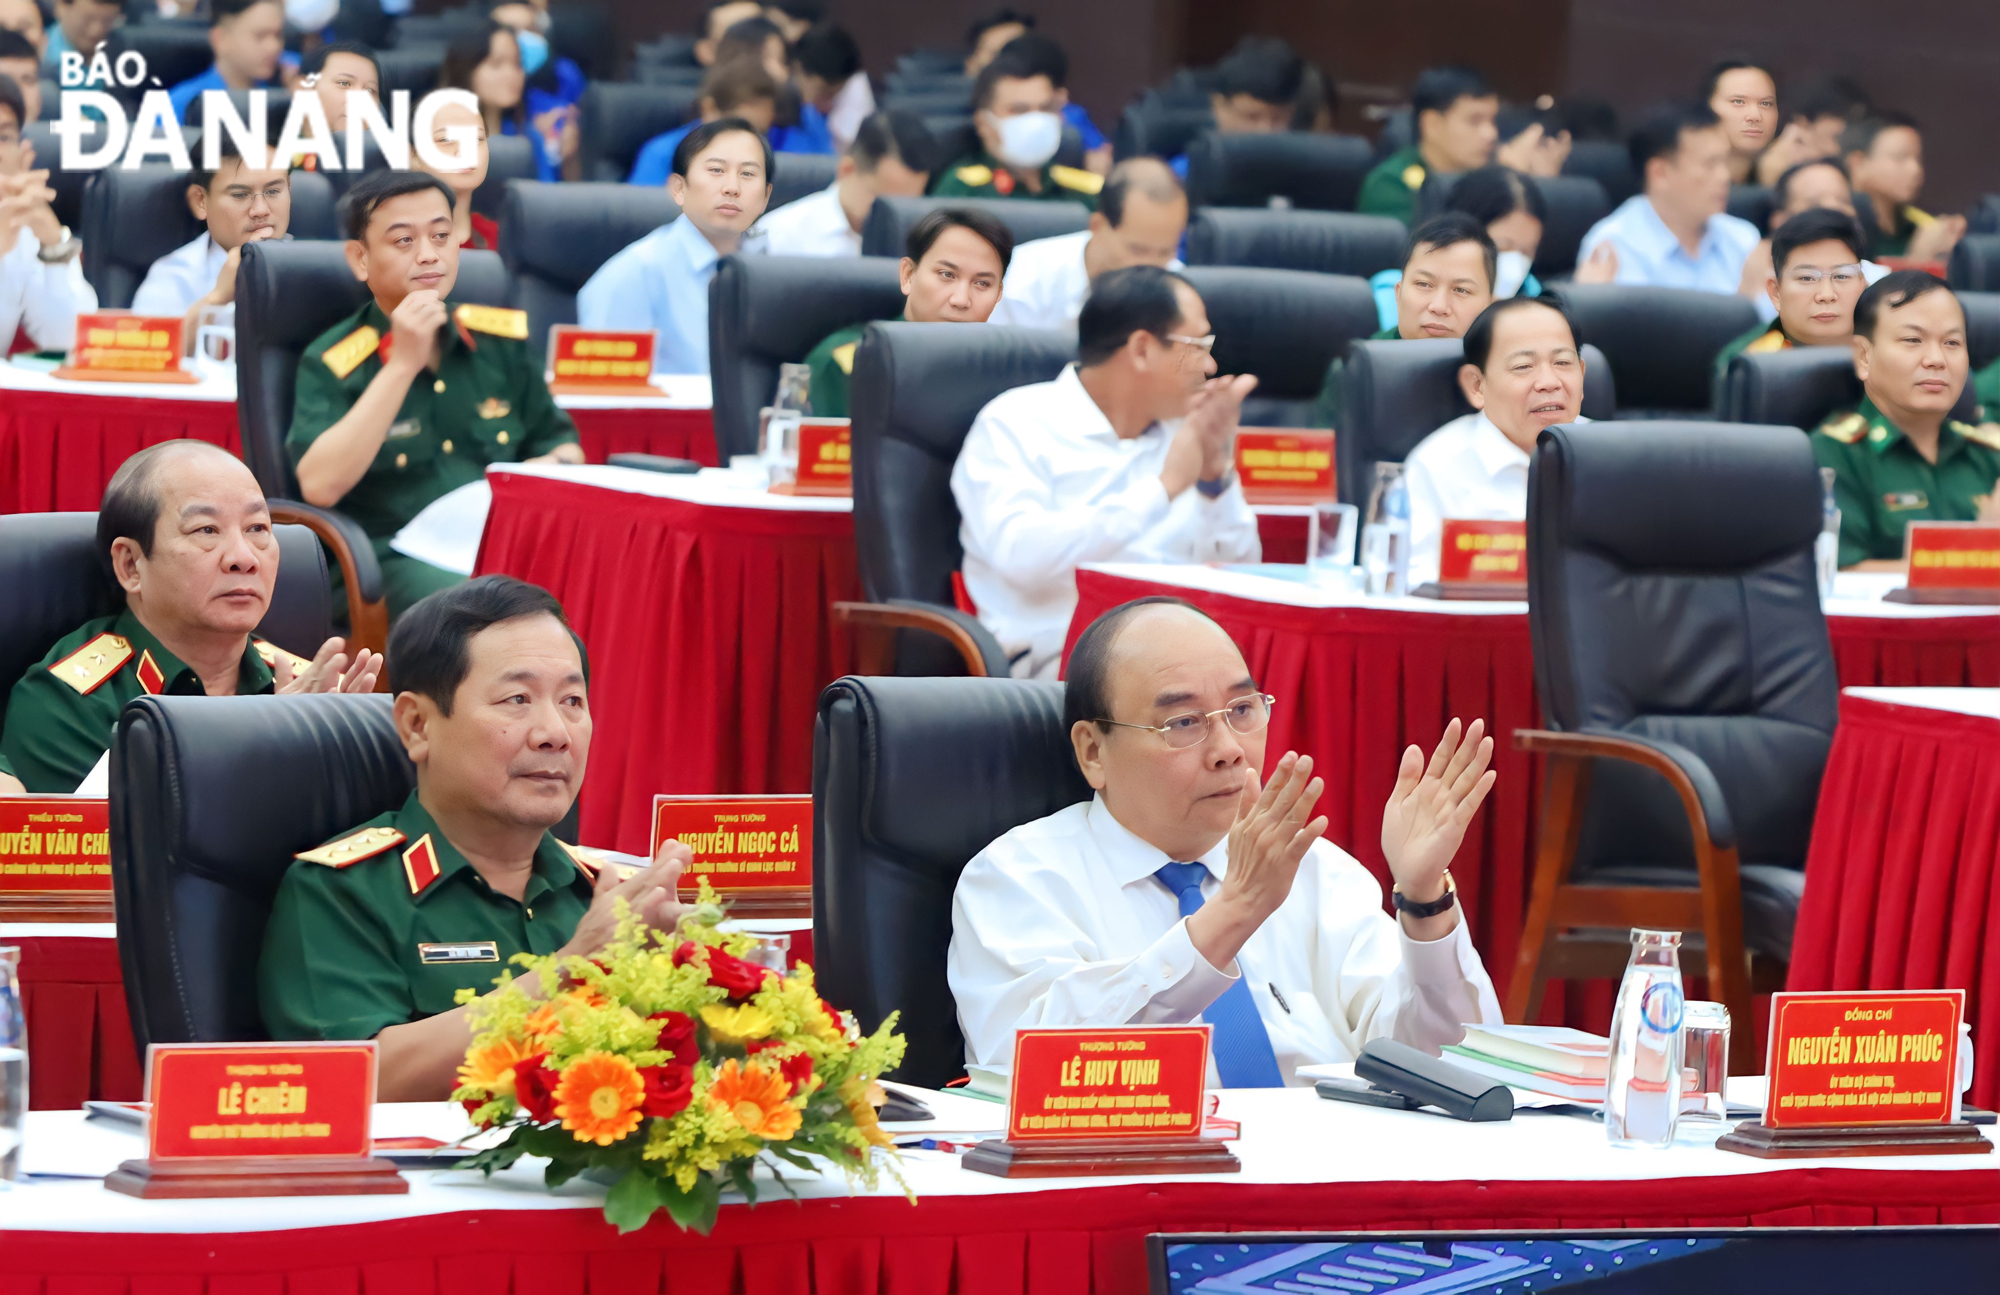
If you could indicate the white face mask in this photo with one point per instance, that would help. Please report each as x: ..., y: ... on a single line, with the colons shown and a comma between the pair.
x: 1510, y: 274
x: 310, y: 15
x: 1029, y: 140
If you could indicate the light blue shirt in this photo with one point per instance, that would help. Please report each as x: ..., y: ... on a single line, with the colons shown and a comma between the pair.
x: 659, y: 282
x: 1650, y: 256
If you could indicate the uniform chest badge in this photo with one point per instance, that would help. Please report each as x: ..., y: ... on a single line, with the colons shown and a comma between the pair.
x: 494, y: 407
x: 444, y: 955
x: 1904, y: 501
x: 402, y: 431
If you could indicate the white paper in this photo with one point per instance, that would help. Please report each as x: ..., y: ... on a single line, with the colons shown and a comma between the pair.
x: 98, y: 781
x: 446, y: 534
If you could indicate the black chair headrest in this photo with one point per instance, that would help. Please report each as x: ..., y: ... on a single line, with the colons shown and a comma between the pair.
x: 1662, y: 342
x: 508, y: 157
x: 1752, y: 202
x: 313, y: 208
x: 555, y: 236
x: 1322, y: 172
x: 1607, y: 162
x: 619, y: 117
x: 130, y: 220
x: 887, y: 229
x: 1801, y: 387
x: 1982, y: 327
x: 1154, y: 125
x: 798, y: 175
x: 412, y: 65
x: 1331, y: 242
x: 1285, y: 326
x: 1975, y: 264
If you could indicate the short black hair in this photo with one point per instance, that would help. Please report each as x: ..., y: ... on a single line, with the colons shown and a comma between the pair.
x: 1733, y: 63
x: 430, y: 650
x: 1491, y: 193
x: 802, y: 10
x: 1148, y: 175
x: 377, y: 187
x: 1781, y: 191
x: 130, y: 509
x: 1263, y: 67
x: 1438, y: 88
x: 1478, y: 342
x: 14, y: 101
x: 1087, y: 680
x: 1043, y: 54
x: 934, y: 223
x: 1831, y: 96
x: 220, y: 10
x: 1008, y: 64
x: 998, y: 18
x: 315, y: 61
x: 894, y: 132
x: 1816, y: 226
x: 1893, y: 291
x: 1659, y: 132
x: 828, y: 52
x: 14, y: 45
x: 752, y: 33
x: 1449, y: 229
x: 1135, y: 299
x: 227, y: 151
x: 1860, y: 136
x: 466, y: 52
x: 703, y: 135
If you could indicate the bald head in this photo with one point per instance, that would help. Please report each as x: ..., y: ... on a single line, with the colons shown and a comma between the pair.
x: 1141, y: 215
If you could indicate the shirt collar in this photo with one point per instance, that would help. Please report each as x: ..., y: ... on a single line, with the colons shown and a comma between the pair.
x: 253, y: 675
x: 1086, y: 419
x: 1496, y: 454
x: 693, y: 245
x: 554, y: 868
x: 1132, y: 859
x: 1656, y: 238
x: 1884, y: 436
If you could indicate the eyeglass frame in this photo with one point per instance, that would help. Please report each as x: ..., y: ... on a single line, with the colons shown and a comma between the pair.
x: 1796, y: 278
x: 1208, y: 730
x: 1206, y: 342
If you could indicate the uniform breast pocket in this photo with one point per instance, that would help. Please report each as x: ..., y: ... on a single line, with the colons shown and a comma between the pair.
x: 406, y: 446
x: 496, y: 422
x: 443, y: 967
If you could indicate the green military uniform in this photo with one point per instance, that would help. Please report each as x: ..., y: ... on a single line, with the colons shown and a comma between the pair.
x: 831, y: 366
x: 982, y: 176
x: 384, y: 925
x: 1391, y: 188
x: 485, y: 403
x: 1882, y: 483
x: 1986, y: 390
x: 61, y: 714
x: 1761, y: 340
x: 1326, y: 407
x: 1896, y: 242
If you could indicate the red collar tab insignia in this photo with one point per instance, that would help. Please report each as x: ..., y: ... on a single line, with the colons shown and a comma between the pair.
x: 420, y: 864
x: 465, y: 335
x: 150, y: 677
x: 1003, y: 181
x: 386, y: 347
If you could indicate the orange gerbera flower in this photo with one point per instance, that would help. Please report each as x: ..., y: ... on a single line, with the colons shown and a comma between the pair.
x: 599, y: 1096
x: 757, y: 1099
x: 547, y: 1019
x: 492, y: 1067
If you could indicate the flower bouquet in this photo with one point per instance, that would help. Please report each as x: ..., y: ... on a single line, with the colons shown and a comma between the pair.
x: 668, y: 1066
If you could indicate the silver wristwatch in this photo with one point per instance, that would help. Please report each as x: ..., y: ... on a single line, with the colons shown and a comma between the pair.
x: 62, y: 252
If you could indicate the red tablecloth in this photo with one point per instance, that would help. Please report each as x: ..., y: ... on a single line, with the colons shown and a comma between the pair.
x: 709, y: 630
x: 57, y: 449
x: 1086, y: 1241
x: 1902, y: 891
x: 675, y: 433
x: 79, y: 1035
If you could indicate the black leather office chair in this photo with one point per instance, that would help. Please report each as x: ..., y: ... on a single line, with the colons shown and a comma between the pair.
x: 1318, y: 172
x: 1801, y: 387
x: 1154, y: 125
x: 1330, y: 242
x: 893, y: 760
x: 174, y: 50
x: 917, y: 388
x: 887, y: 230
x: 555, y: 236
x: 1754, y: 203
x: 53, y: 580
x: 929, y: 100
x: 436, y: 28
x: 800, y: 175
x: 1688, y: 685
x: 1975, y: 264
x: 584, y: 34
x: 412, y: 65
x: 508, y: 157
x: 1285, y: 326
x: 931, y: 62
x: 617, y: 120
x: 195, y: 863
x: 1608, y: 163
x: 1982, y: 329
x: 952, y: 82
x: 1662, y: 342
x: 130, y: 220
x: 1983, y: 217
x: 1572, y: 204
x: 764, y: 311
x: 287, y: 294
x: 1395, y: 393
x: 314, y: 205
x: 278, y: 102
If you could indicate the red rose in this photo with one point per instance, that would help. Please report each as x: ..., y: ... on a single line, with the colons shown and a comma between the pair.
x: 472, y: 1105
x: 797, y: 1068
x: 668, y: 1089
x: 535, y: 1088
x: 737, y: 978
x: 676, y: 1036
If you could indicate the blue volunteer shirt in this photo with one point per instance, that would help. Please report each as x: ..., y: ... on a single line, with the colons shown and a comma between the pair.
x: 655, y: 161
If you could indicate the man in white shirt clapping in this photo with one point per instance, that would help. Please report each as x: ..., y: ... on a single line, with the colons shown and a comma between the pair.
x: 1140, y: 217
x: 1127, y: 456
x: 890, y: 158
x: 1195, y: 885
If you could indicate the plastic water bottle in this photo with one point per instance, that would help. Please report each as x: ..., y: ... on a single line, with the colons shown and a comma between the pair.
x: 1642, y: 1086
x: 13, y: 1064
x: 1826, y: 549
x: 1385, y: 541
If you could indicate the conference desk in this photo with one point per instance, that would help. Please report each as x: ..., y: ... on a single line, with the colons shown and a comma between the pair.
x: 1308, y: 1164
x: 73, y: 996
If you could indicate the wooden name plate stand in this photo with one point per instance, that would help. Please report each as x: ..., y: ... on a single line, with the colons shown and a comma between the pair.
x: 56, y: 908
x: 297, y: 1176
x: 1943, y: 597
x: 1766, y: 1143
x: 1101, y: 1157
x: 1472, y: 591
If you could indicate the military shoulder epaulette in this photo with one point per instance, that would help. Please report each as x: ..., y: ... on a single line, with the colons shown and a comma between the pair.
x: 975, y: 175
x: 272, y: 654
x: 1413, y: 176
x: 1987, y: 434
x: 843, y: 357
x: 353, y: 848
x: 1069, y: 177
x: 1845, y: 428
x: 89, y: 666
x: 591, y: 862
x: 497, y: 320
x: 346, y: 355
x: 1775, y: 340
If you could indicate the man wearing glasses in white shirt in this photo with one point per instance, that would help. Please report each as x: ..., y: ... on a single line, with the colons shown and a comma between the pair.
x: 1127, y: 456
x: 1194, y: 885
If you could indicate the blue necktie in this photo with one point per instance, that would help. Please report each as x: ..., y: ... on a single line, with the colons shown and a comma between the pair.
x: 1243, y: 1056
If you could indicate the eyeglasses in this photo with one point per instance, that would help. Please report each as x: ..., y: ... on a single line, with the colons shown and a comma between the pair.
x: 1201, y: 343
x: 1844, y: 276
x: 1245, y: 715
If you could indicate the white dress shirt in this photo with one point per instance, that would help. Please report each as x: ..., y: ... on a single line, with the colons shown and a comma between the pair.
x: 1044, y: 484
x: 852, y: 105
x: 41, y: 298
x: 1651, y: 255
x: 1061, y: 923
x: 815, y: 225
x: 180, y: 278
x: 1046, y: 283
x: 1466, y: 470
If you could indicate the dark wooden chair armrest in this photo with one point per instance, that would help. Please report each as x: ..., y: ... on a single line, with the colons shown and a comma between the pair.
x: 878, y: 621
x: 1688, y: 774
x: 360, y: 574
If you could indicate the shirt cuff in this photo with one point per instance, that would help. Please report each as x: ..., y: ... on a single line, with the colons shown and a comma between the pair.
x: 1182, y: 981
x: 1436, y: 962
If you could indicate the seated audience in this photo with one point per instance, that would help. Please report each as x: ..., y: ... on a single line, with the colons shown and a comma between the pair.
x: 1885, y: 159
x: 42, y: 288
x: 24, y: 18
x: 1822, y: 111
x: 823, y: 61
x: 1818, y: 271
x: 1195, y: 886
x: 1523, y: 372
x: 1256, y: 91
x: 740, y: 88
x: 1046, y: 479
x: 239, y: 204
x: 889, y: 158
x: 1818, y: 183
x: 331, y: 72
x: 248, y: 37
x: 758, y: 40
x: 721, y: 16
x: 1676, y: 232
x: 19, y: 64
x: 487, y: 62
x: 1449, y: 266
x: 722, y: 181
x: 184, y: 533
x: 1744, y: 98
x: 794, y: 18
x: 80, y: 27
x: 493, y: 707
x: 554, y: 85
x: 1043, y: 53
x: 469, y: 227
x: 954, y: 262
x: 414, y: 394
x: 1900, y: 457
x: 1453, y: 110
x: 1530, y: 141
x: 1017, y: 112
x: 1140, y: 218
x: 846, y: 104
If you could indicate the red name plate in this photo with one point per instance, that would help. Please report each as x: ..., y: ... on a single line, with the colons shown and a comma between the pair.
x: 126, y: 348
x: 1953, y: 555
x: 1483, y: 553
x: 54, y: 845
x: 582, y: 357
x: 1882, y: 1058
x: 826, y: 454
x: 740, y: 842
x: 258, y: 1100
x: 1285, y: 465
x: 1136, y: 1082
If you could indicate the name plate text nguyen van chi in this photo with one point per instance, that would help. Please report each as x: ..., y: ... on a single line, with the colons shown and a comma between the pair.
x: 55, y: 854
x: 755, y: 850
x: 1863, y: 1059
x: 583, y: 359
x: 116, y: 346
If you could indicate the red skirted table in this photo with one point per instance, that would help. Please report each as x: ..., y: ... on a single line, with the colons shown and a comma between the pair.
x: 61, y: 441
x: 707, y: 610
x: 676, y: 424
x: 79, y: 1035
x: 1902, y: 891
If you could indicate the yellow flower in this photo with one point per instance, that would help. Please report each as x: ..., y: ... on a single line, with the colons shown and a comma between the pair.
x: 736, y: 1024
x: 599, y: 1097
x: 756, y: 1099
x: 492, y: 1067
x: 861, y: 1103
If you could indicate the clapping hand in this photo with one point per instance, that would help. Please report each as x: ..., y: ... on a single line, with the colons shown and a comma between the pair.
x: 1429, y: 810
x: 1213, y: 413
x: 1600, y: 267
x: 654, y: 894
x: 330, y: 671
